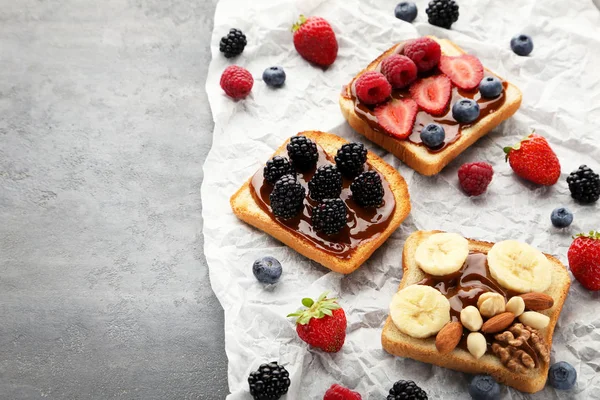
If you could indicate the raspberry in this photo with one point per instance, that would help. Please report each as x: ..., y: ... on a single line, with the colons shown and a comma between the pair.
x: 424, y: 52
x: 337, y: 392
x: 372, y: 88
x: 475, y: 177
x: 400, y: 71
x: 236, y: 82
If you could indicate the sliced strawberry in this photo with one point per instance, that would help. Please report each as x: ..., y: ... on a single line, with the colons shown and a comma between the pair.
x: 397, y: 117
x: 432, y: 94
x: 465, y: 71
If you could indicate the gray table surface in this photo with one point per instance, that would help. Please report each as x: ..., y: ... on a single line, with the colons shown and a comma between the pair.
x: 104, y: 127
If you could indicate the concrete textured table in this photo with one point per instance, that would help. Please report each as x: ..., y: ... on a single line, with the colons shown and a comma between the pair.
x: 104, y: 127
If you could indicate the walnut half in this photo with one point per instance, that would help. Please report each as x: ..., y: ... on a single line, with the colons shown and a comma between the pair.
x: 509, y: 347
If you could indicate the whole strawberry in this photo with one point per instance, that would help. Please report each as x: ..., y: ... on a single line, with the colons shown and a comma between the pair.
x: 322, y: 324
x: 533, y: 159
x: 315, y: 40
x: 584, y: 259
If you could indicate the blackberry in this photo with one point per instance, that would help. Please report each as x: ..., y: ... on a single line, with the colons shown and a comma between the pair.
x: 276, y: 168
x: 442, y: 13
x: 367, y: 190
x: 406, y: 390
x: 326, y: 183
x: 287, y: 197
x: 329, y: 216
x: 584, y: 185
x: 303, y: 152
x: 269, y: 382
x: 233, y: 43
x: 350, y: 159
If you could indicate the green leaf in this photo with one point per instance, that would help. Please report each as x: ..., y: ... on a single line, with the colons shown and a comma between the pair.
x: 507, y: 150
x: 296, y: 314
x: 322, y: 296
x: 320, y: 314
x: 307, y: 302
x: 328, y: 312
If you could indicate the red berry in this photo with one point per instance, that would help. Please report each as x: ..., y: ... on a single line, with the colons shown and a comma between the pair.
x: 315, y: 40
x: 584, y: 260
x: 372, y: 88
x: 399, y: 70
x: 432, y: 94
x: 533, y: 159
x: 464, y: 71
x: 425, y: 53
x: 236, y: 82
x: 397, y: 117
x: 337, y: 392
x: 475, y: 177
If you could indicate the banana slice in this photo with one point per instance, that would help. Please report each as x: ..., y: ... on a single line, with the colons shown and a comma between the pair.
x: 518, y: 266
x: 442, y: 253
x: 420, y: 311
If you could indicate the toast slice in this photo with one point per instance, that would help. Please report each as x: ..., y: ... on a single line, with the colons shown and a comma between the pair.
x: 246, y: 208
x: 417, y: 156
x: 399, y: 344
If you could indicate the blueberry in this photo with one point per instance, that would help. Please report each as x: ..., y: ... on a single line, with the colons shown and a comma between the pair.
x: 562, y: 375
x: 274, y: 76
x: 406, y: 11
x: 521, y: 45
x: 484, y: 387
x: 490, y: 87
x: 433, y: 136
x: 561, y: 217
x: 465, y: 111
x: 267, y: 269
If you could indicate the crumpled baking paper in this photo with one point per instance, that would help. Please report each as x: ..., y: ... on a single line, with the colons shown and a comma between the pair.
x: 560, y: 82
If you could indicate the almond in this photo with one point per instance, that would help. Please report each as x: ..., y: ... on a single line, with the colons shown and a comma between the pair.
x: 447, y: 339
x: 537, y: 301
x: 498, y: 323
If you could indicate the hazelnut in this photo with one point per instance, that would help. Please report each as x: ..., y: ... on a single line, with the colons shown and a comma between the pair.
x: 490, y: 304
x: 516, y: 305
x: 471, y: 319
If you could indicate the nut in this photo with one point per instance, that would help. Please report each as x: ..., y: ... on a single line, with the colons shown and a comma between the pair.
x: 476, y: 344
x: 534, y: 319
x: 498, y: 323
x: 516, y: 305
x: 448, y: 337
x: 537, y: 301
x: 471, y: 319
x: 490, y: 304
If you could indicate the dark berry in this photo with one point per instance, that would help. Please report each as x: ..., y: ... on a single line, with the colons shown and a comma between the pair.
x: 276, y: 168
x: 274, y: 76
x: 303, y: 152
x: 350, y: 159
x: 562, y: 375
x: 484, y: 387
x: 233, y: 43
x: 329, y: 216
x: 433, y: 135
x: 465, y: 111
x: 442, y: 13
x: 367, y: 190
x: 267, y: 269
x: 269, y: 382
x: 287, y: 197
x: 326, y: 183
x: 490, y: 87
x: 584, y: 185
x: 406, y: 390
x: 406, y: 11
x: 521, y: 45
x: 561, y: 217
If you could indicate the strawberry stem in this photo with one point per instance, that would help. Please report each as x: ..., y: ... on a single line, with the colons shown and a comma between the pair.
x: 298, y: 24
x: 315, y: 309
x: 590, y: 235
x: 517, y: 146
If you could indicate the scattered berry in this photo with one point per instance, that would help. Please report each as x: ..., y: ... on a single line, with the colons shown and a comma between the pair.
x: 303, y: 152
x: 276, y: 168
x: 484, y: 387
x: 400, y: 71
x: 465, y: 111
x: 522, y: 45
x: 367, y: 190
x: 350, y: 159
x: 274, y: 76
x: 562, y: 376
x: 267, y: 269
x: 337, y: 392
x: 561, y: 217
x: 315, y: 40
x: 425, y: 53
x: 326, y: 183
x: 432, y: 94
x: 233, y: 43
x: 397, y: 117
x: 584, y: 185
x: 329, y: 216
x: 372, y: 88
x: 406, y: 390
x: 584, y: 259
x: 322, y: 324
x: 474, y: 178
x: 464, y: 71
x: 490, y: 87
x: 433, y: 136
x: 533, y: 159
x: 287, y: 197
x: 236, y: 82
x: 442, y: 13
x: 269, y: 382
x: 406, y: 11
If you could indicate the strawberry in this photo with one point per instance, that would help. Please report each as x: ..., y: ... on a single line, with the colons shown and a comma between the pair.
x: 397, y: 117
x: 533, y: 159
x: 432, y: 94
x: 322, y: 324
x: 465, y: 71
x: 584, y: 259
x: 315, y: 40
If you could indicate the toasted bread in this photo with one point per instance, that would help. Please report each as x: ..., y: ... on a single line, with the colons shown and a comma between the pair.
x: 416, y: 156
x: 245, y: 207
x: 400, y: 344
